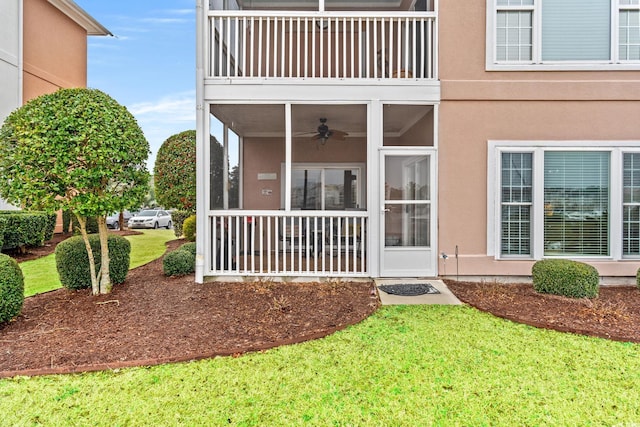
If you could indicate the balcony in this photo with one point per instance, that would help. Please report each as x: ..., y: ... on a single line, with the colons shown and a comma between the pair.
x: 337, y: 46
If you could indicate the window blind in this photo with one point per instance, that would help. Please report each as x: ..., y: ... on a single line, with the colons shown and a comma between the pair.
x: 516, y: 203
x: 577, y: 30
x: 576, y: 203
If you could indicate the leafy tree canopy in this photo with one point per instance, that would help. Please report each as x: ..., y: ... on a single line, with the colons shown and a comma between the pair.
x: 174, y: 173
x: 75, y: 148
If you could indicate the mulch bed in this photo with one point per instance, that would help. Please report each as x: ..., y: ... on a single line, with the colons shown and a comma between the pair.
x: 614, y: 314
x: 153, y: 319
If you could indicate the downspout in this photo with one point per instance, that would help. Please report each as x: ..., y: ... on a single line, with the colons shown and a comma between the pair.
x: 201, y: 141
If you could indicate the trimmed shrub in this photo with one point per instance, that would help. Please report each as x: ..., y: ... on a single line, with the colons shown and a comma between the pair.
x: 565, y: 277
x: 11, y: 288
x: 189, y: 228
x: 638, y: 278
x: 178, y: 263
x: 178, y: 218
x: 72, y: 260
x: 66, y: 221
x: 3, y: 226
x: 52, y: 218
x: 25, y: 228
x: 92, y: 225
x: 189, y: 247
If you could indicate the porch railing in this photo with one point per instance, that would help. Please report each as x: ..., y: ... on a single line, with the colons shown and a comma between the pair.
x: 332, y: 45
x: 275, y: 243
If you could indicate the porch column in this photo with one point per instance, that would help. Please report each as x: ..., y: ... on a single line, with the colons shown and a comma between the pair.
x: 287, y: 157
x: 374, y: 204
x: 202, y: 159
x: 225, y: 167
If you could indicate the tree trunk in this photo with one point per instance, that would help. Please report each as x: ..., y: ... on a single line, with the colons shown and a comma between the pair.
x: 95, y: 286
x: 105, y: 279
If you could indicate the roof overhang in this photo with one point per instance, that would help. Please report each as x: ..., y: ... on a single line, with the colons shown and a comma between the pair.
x: 81, y: 17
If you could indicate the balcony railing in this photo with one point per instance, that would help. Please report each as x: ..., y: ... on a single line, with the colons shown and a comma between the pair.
x: 329, y: 45
x: 274, y: 243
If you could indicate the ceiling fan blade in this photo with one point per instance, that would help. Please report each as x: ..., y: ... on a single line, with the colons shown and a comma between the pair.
x: 305, y: 135
x: 338, y: 134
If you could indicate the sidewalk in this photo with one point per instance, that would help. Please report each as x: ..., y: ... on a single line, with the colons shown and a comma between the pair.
x: 445, y: 297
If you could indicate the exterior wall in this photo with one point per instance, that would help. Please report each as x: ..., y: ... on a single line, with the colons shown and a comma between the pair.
x: 55, y: 50
x: 478, y: 106
x: 266, y: 155
x: 10, y: 94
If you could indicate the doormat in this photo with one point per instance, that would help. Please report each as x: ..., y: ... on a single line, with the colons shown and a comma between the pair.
x: 409, y: 289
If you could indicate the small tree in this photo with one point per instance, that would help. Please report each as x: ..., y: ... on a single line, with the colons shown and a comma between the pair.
x: 76, y: 149
x: 174, y: 172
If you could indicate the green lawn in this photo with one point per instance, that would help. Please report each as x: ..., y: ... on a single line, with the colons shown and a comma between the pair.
x: 404, y: 366
x: 40, y: 275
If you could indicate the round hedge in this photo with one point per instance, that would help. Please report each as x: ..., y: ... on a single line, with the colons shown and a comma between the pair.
x: 565, y: 277
x: 189, y: 228
x: 189, y: 247
x: 638, y: 278
x: 178, y: 263
x: 72, y: 260
x: 11, y: 288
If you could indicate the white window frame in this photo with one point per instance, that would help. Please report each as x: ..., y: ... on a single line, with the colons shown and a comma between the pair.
x: 537, y: 148
x: 537, y: 64
x: 360, y: 167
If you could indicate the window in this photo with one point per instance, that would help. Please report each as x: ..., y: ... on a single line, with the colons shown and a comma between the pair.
x: 325, y: 188
x: 631, y: 204
x: 564, y: 199
x: 576, y: 203
x: 516, y: 203
x: 629, y: 30
x: 562, y: 33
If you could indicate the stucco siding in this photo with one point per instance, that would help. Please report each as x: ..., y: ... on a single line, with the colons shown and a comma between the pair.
x: 55, y: 50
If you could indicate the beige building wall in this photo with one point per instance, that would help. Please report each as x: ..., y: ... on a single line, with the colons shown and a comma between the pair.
x: 266, y: 156
x: 478, y: 106
x: 55, y: 50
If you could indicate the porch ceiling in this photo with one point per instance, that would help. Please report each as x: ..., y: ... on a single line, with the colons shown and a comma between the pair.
x: 262, y: 120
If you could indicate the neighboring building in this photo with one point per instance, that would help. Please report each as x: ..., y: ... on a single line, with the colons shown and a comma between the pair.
x: 43, y: 47
x: 462, y: 138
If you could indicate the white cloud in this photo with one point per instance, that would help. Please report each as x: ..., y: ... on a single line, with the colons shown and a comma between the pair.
x: 159, y: 119
x: 165, y: 20
x: 180, y: 11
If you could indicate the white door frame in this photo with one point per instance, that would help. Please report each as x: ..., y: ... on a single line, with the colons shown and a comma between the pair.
x: 409, y: 261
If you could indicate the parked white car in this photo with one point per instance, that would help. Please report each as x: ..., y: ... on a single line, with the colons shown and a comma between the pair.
x: 114, y: 218
x: 151, y: 218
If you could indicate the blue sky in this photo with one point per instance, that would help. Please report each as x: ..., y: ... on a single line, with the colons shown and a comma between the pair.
x: 149, y: 64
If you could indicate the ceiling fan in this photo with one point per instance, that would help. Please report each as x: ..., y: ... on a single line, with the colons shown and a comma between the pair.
x: 324, y: 133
